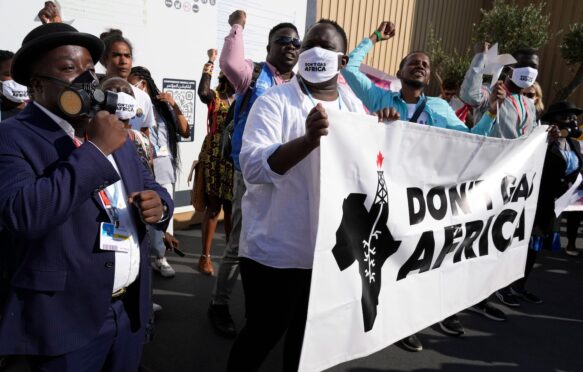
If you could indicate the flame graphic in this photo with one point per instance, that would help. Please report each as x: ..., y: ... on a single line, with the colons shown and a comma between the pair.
x: 380, y: 159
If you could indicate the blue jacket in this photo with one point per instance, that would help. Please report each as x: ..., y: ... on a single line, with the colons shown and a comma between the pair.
x: 55, y: 282
x: 265, y: 80
x: 374, y: 98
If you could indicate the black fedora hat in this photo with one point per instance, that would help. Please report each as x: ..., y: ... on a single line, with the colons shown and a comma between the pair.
x: 561, y: 107
x: 47, y: 37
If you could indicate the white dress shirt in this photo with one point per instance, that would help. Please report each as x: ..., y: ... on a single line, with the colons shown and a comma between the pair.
x: 280, y: 212
x: 127, y: 265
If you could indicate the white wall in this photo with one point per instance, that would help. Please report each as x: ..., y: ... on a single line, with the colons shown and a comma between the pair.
x: 171, y: 42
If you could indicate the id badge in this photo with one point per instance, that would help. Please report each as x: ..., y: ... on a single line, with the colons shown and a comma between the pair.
x: 111, y: 238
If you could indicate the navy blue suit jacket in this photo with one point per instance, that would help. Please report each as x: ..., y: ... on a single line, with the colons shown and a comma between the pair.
x: 55, y: 282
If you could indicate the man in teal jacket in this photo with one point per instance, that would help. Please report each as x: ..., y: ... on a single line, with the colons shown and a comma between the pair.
x: 414, y: 73
x: 410, y: 104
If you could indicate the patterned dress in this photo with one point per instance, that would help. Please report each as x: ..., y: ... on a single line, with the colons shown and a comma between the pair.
x: 218, y: 171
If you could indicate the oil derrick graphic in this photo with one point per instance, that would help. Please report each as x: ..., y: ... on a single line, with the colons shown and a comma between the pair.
x: 363, y: 236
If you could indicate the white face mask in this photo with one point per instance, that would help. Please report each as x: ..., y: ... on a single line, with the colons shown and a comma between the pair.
x: 318, y: 65
x: 126, y: 106
x: 14, y: 91
x: 524, y: 77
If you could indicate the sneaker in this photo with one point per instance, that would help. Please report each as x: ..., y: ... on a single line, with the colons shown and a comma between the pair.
x: 163, y: 267
x: 156, y: 307
x: 411, y: 343
x: 571, y: 252
x: 527, y: 296
x: 507, y: 298
x: 452, y: 326
x: 489, y: 311
x: 221, y: 320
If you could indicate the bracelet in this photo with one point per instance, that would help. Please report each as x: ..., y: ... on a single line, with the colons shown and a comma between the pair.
x: 378, y: 35
x: 208, y: 68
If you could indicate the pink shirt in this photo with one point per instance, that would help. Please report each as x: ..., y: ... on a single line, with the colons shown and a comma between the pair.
x: 236, y: 68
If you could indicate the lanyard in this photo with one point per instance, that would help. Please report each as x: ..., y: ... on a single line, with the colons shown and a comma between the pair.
x: 521, y: 111
x: 109, y: 202
x: 312, y: 99
x: 155, y: 134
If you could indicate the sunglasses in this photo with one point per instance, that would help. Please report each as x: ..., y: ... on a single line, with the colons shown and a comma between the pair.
x: 530, y: 95
x: 287, y: 40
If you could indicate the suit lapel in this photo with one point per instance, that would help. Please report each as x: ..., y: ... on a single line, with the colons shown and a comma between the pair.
x: 40, y: 123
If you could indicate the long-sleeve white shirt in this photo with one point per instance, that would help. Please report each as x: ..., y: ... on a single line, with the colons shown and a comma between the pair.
x: 280, y: 212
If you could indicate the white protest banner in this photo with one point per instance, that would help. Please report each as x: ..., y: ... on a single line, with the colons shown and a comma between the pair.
x: 416, y: 223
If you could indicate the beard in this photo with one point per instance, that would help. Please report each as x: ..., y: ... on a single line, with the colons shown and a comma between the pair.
x: 414, y: 83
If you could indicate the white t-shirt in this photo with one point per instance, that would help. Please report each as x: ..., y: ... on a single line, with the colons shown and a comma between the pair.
x: 280, y: 212
x: 145, y: 111
x: 411, y: 108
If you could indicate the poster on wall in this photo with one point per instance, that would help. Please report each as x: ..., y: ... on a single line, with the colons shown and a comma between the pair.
x: 184, y: 94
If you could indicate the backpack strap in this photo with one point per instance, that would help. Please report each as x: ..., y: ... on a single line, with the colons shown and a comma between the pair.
x: 257, y: 68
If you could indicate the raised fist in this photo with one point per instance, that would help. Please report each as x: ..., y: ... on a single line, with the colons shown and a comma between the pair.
x: 238, y: 17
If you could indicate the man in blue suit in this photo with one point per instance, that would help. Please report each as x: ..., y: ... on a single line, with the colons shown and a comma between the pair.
x: 74, y: 204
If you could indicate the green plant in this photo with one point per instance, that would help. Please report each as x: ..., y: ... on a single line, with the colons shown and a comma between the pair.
x: 572, y: 51
x: 446, y: 65
x: 514, y: 27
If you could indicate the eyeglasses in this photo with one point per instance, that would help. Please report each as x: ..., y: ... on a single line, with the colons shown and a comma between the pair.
x: 530, y: 95
x: 287, y: 40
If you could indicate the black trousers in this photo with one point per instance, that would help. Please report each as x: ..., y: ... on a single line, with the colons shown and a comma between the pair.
x: 114, y: 349
x: 276, y: 303
x: 573, y: 222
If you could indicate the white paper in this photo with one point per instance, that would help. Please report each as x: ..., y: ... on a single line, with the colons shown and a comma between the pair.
x: 495, y: 63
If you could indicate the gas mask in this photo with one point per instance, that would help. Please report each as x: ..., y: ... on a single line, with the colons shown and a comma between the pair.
x: 524, y: 77
x: 83, y: 97
x: 570, y: 129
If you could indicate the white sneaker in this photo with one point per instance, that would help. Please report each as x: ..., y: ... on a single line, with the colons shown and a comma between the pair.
x: 163, y: 267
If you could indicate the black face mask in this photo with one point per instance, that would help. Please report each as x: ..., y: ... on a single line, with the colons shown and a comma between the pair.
x: 570, y: 129
x: 574, y: 130
x: 83, y: 97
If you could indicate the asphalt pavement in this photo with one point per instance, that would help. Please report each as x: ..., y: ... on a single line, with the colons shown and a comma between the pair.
x: 536, y: 337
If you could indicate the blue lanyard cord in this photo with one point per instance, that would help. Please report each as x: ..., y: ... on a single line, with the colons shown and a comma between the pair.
x: 312, y: 99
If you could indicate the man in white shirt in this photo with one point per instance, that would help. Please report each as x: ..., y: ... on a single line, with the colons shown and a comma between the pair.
x: 280, y: 161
